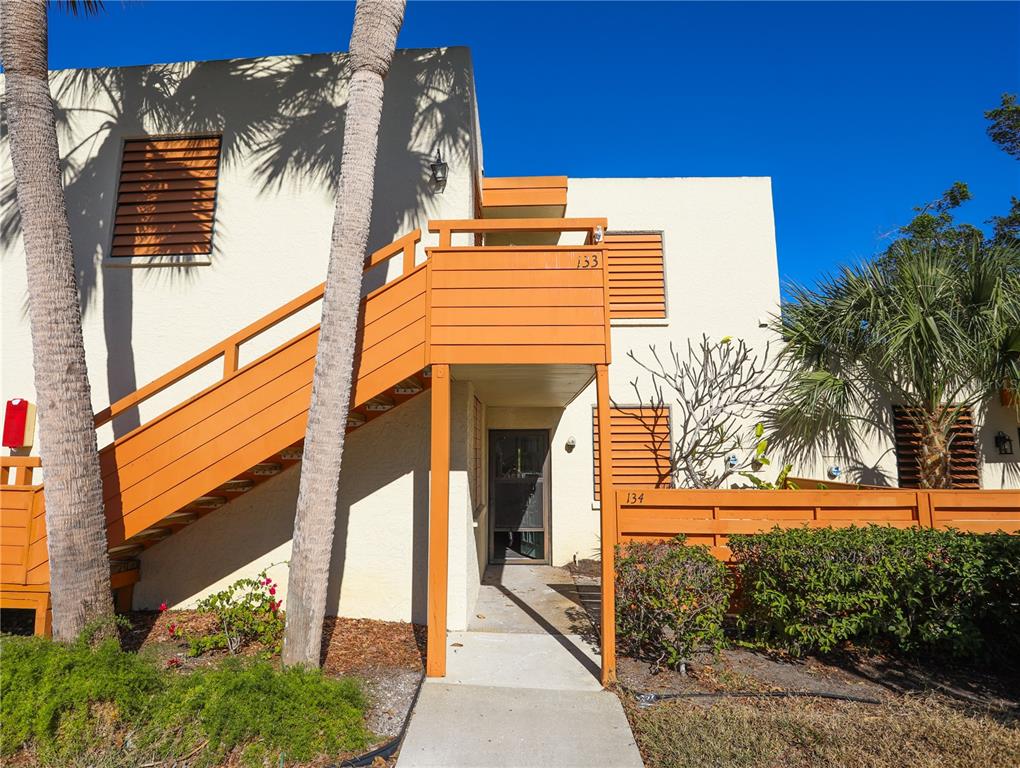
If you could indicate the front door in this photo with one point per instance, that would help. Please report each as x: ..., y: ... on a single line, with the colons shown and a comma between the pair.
x: 519, y: 495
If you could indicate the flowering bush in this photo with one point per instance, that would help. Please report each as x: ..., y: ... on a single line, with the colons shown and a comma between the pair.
x: 247, y: 611
x: 670, y: 600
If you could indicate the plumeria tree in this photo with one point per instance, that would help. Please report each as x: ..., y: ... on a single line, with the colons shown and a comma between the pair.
x: 717, y: 392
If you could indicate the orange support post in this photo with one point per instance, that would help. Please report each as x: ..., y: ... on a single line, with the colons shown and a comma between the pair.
x: 439, y: 522
x: 609, y: 536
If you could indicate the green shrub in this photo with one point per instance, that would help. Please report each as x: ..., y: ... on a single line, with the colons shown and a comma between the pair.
x: 1000, y: 617
x: 75, y: 705
x: 670, y: 600
x: 908, y: 589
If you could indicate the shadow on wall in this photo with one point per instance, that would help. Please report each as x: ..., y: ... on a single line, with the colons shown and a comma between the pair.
x: 281, y: 118
x: 389, y: 537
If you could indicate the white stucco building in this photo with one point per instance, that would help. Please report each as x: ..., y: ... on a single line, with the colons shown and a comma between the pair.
x: 261, y: 196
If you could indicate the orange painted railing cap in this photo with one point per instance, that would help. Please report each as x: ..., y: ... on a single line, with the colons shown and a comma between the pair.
x: 481, y: 226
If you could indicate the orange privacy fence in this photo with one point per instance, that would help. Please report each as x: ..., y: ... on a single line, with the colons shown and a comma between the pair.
x: 711, y: 517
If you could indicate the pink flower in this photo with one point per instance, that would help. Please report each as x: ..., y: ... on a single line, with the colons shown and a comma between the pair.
x: 162, y: 606
x: 171, y: 630
x: 274, y: 605
x: 272, y: 590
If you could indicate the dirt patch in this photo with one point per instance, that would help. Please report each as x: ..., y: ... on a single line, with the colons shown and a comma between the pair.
x: 591, y: 568
x: 854, y: 675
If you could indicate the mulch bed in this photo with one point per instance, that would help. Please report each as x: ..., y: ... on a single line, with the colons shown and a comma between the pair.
x: 353, y: 645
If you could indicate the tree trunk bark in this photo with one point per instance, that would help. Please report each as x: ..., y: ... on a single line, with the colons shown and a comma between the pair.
x: 75, y: 522
x: 934, y: 454
x: 373, y: 42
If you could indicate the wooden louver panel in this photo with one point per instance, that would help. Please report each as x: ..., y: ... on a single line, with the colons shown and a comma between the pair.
x: 637, y: 288
x: 641, y: 447
x: 963, y: 459
x: 167, y: 197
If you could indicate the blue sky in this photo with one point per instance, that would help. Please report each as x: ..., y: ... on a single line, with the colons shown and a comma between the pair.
x: 857, y: 111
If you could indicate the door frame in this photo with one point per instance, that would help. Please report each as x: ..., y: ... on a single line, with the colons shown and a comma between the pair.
x: 546, y: 498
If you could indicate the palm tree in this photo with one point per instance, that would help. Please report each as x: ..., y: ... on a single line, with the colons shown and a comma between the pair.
x: 75, y: 521
x: 373, y: 42
x: 935, y: 329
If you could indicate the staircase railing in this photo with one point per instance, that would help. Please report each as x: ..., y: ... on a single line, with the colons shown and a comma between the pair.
x: 229, y: 347
x: 449, y: 227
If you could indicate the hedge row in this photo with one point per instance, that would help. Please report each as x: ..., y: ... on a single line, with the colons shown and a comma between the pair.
x: 903, y: 590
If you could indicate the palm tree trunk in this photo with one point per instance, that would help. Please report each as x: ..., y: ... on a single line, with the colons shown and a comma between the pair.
x: 75, y: 522
x: 934, y: 453
x: 373, y: 41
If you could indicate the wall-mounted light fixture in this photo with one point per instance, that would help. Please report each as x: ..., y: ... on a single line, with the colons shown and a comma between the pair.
x: 732, y: 460
x: 1003, y: 443
x: 571, y: 444
x: 439, y: 173
x: 834, y: 471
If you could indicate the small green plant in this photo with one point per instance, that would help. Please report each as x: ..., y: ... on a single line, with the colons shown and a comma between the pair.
x: 760, y: 459
x: 247, y: 611
x: 670, y: 600
x: 909, y: 590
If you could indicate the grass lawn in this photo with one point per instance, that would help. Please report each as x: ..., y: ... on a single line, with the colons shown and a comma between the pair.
x: 916, y: 731
x: 926, y: 714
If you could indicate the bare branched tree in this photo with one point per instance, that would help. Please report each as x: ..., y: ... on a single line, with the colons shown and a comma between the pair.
x: 718, y: 391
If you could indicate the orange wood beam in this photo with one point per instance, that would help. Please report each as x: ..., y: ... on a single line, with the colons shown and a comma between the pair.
x: 608, y: 527
x: 448, y: 227
x: 439, y: 523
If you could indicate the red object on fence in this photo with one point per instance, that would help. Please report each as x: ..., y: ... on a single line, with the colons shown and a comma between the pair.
x: 19, y: 423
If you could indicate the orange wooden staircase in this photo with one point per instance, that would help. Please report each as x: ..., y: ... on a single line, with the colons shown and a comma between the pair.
x: 248, y: 426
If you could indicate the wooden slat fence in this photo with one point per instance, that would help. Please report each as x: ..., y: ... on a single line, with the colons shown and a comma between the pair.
x: 711, y: 517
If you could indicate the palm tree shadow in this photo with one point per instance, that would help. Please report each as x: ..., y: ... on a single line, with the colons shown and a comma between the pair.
x: 281, y: 120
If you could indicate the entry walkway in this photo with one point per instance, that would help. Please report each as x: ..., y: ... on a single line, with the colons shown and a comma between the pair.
x: 522, y: 685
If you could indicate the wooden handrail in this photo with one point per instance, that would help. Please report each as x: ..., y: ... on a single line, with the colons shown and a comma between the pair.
x: 448, y: 227
x: 403, y: 245
x: 228, y: 348
x: 22, y: 466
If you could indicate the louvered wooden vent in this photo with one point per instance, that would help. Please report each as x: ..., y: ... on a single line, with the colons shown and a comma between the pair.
x: 963, y: 459
x: 641, y: 448
x: 167, y: 197
x: 636, y: 285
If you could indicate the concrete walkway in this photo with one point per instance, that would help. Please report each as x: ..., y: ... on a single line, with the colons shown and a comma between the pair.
x: 522, y: 686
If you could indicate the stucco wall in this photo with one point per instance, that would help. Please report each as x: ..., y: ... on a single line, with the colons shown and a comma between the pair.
x: 721, y: 279
x: 282, y: 122
x: 380, y: 551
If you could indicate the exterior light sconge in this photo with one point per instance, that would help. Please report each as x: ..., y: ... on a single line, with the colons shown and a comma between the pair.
x: 732, y: 461
x: 834, y: 472
x: 439, y: 173
x: 1003, y: 443
x: 571, y: 444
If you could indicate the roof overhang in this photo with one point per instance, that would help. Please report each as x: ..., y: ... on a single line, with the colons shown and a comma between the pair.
x: 533, y: 386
